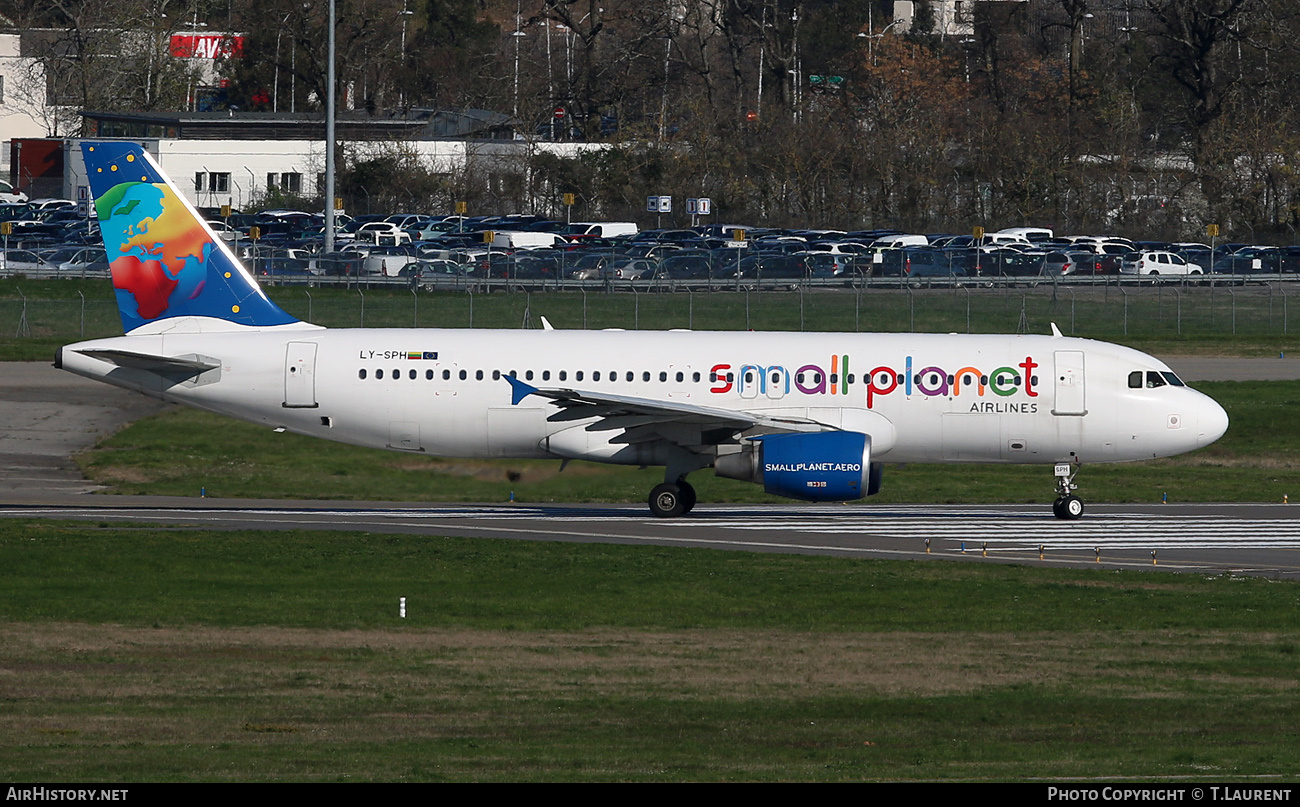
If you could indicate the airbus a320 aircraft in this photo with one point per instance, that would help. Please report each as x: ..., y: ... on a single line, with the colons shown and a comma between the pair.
x: 810, y: 416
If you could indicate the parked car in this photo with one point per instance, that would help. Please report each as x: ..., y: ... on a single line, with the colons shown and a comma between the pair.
x: 1061, y: 264
x: 50, y: 204
x: 829, y: 265
x: 224, y: 231
x: 690, y: 264
x: 1158, y: 263
x: 437, y: 274
x: 1250, y: 260
x: 78, y: 260
x: 1007, y: 262
x: 918, y: 262
x: 10, y: 195
x: 382, y: 233
x: 13, y: 261
x: 631, y: 269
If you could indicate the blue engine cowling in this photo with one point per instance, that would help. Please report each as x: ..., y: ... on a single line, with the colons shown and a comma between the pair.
x: 818, y: 467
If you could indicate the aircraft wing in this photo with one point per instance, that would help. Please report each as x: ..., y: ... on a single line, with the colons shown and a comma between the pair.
x: 647, y: 419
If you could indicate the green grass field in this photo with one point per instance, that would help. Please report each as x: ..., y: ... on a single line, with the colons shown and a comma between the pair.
x: 187, y: 655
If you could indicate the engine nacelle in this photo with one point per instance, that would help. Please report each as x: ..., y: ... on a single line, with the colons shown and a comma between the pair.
x: 818, y: 467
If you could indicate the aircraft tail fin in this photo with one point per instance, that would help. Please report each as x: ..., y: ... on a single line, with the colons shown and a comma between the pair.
x: 165, y: 260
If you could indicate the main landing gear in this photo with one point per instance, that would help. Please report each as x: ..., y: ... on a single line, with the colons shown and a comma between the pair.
x: 672, y: 499
x: 1067, y: 505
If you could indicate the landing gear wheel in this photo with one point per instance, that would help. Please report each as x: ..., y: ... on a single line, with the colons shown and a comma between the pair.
x: 1068, y: 507
x: 688, y: 496
x: 668, y: 501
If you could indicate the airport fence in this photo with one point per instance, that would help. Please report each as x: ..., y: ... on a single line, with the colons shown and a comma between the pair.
x: 1105, y: 312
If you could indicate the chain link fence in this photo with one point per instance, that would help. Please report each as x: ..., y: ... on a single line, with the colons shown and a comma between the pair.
x: 1107, y: 312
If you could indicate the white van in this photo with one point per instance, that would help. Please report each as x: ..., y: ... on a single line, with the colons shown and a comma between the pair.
x: 899, y: 241
x: 515, y: 239
x: 1035, y: 234
x: 388, y: 264
x: 605, y: 229
x: 996, y: 239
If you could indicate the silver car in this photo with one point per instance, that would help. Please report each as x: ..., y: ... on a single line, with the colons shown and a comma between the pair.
x: 23, y: 261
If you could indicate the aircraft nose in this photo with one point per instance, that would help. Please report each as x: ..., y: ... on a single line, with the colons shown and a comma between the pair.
x: 1211, y: 422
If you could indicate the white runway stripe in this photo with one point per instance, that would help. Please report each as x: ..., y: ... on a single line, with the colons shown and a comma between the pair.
x: 978, y: 528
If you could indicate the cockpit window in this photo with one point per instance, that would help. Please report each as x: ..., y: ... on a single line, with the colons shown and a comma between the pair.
x: 1153, y: 379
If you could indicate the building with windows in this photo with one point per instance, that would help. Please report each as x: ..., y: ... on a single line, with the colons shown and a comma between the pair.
x: 240, y: 172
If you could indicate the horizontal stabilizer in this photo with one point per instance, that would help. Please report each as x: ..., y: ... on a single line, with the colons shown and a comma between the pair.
x: 165, y: 365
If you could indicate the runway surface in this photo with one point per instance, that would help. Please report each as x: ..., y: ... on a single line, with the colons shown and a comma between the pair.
x: 1256, y: 540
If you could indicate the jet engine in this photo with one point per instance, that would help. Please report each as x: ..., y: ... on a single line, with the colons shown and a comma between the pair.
x: 820, y: 467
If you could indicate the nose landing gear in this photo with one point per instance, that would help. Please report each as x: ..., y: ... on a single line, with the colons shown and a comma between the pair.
x: 1067, y: 506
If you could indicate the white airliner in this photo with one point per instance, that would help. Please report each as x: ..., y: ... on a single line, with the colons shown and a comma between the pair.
x: 810, y: 416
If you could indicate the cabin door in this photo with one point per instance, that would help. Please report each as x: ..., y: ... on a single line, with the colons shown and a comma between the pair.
x: 300, y: 375
x: 1068, y: 380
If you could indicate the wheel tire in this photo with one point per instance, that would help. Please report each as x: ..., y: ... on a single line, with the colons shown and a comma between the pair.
x: 1068, y: 508
x: 666, y: 501
x: 688, y: 496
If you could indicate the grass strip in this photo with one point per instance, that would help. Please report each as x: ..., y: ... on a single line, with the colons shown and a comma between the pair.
x: 192, y: 655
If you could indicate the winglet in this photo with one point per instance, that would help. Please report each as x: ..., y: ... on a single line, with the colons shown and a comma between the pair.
x: 519, y: 390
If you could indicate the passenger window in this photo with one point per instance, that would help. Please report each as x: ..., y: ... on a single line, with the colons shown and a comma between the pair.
x: 546, y: 375
x: 412, y: 375
x: 428, y: 375
x: 564, y: 374
x: 578, y: 376
x: 528, y: 375
x: 478, y: 375
x: 446, y: 375
x: 496, y: 375
x: 361, y: 374
x: 379, y: 374
x: 595, y: 376
x: 463, y: 375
